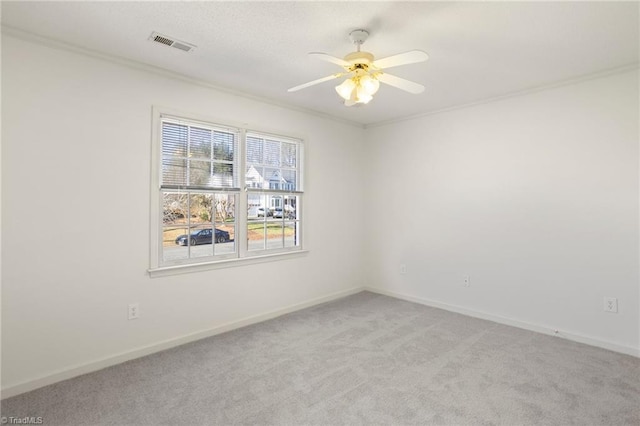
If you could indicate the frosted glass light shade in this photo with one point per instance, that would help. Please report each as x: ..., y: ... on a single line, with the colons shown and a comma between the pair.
x: 369, y: 84
x: 362, y: 97
x: 346, y: 88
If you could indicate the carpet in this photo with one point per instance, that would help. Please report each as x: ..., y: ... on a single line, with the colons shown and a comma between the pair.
x: 366, y: 359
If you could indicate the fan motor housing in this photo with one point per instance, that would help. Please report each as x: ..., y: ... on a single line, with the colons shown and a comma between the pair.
x: 359, y: 58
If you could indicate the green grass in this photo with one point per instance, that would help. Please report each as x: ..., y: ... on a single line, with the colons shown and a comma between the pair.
x: 255, y: 230
x: 274, y: 230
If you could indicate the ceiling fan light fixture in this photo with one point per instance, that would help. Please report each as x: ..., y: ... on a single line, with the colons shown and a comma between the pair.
x: 365, y: 73
x: 362, y: 97
x: 346, y: 89
x: 358, y: 89
x: 370, y: 85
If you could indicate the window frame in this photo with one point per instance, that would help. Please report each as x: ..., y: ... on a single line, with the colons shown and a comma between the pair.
x: 242, y: 255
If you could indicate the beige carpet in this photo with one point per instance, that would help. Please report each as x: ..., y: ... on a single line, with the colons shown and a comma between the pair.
x: 362, y: 360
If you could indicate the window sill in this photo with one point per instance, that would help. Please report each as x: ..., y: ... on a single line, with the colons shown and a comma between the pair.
x: 164, y: 271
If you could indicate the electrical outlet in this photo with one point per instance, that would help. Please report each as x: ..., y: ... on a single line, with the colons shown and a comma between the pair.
x: 134, y: 311
x: 403, y: 269
x: 611, y: 304
x: 466, y: 281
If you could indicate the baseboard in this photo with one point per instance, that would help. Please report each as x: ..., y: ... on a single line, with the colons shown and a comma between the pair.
x: 627, y: 350
x: 92, y: 366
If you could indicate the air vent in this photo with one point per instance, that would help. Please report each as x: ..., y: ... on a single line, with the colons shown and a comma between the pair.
x: 169, y: 41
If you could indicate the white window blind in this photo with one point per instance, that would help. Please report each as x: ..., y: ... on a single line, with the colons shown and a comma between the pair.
x: 197, y: 156
x: 272, y: 163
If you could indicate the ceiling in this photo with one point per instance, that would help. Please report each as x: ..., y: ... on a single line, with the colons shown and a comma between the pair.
x: 478, y: 50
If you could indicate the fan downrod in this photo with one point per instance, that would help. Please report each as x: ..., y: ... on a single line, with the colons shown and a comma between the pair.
x: 358, y: 37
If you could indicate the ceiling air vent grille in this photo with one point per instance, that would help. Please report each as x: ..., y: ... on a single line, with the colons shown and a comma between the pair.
x: 181, y: 46
x: 168, y: 41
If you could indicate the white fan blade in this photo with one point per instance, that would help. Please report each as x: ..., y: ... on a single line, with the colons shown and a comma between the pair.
x: 329, y: 58
x: 401, y: 59
x: 400, y: 83
x: 314, y: 82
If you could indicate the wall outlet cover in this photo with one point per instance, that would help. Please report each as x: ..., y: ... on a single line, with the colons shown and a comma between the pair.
x: 611, y: 304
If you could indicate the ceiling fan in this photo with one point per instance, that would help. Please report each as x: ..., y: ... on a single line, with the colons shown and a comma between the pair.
x: 365, y: 73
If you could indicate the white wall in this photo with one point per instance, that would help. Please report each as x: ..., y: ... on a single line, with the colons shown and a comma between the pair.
x: 535, y: 197
x: 76, y: 134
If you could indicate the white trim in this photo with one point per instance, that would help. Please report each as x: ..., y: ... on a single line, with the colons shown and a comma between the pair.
x: 74, y: 371
x: 627, y: 350
x: 71, y: 372
x: 154, y: 185
x: 243, y: 201
x: 164, y: 271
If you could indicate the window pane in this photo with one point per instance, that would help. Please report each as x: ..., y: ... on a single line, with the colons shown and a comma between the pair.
x: 199, y: 173
x: 254, y: 177
x: 275, y: 235
x: 175, y: 217
x: 291, y: 207
x: 291, y: 234
x: 289, y: 155
x: 200, y: 143
x: 223, y: 146
x: 272, y: 153
x: 201, y: 209
x: 174, y: 243
x: 174, y: 140
x: 254, y: 202
x: 254, y: 150
x: 225, y: 214
x: 273, y: 178
x: 272, y: 164
x: 225, y: 208
x: 225, y: 239
x: 222, y: 175
x: 275, y: 205
x: 201, y: 240
x: 200, y: 235
x: 256, y: 235
x: 174, y: 171
x: 289, y: 180
x: 175, y: 208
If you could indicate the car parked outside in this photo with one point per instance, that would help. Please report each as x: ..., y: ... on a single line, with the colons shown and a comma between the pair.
x: 263, y: 210
x: 203, y: 236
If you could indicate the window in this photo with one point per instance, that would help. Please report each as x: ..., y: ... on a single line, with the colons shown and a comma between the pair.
x: 199, y: 188
x: 272, y: 180
x: 200, y: 212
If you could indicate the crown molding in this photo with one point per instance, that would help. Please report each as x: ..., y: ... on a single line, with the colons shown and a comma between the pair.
x: 6, y: 30
x: 535, y: 89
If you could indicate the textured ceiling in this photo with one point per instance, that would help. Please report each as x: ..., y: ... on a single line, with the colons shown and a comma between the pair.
x: 478, y: 50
